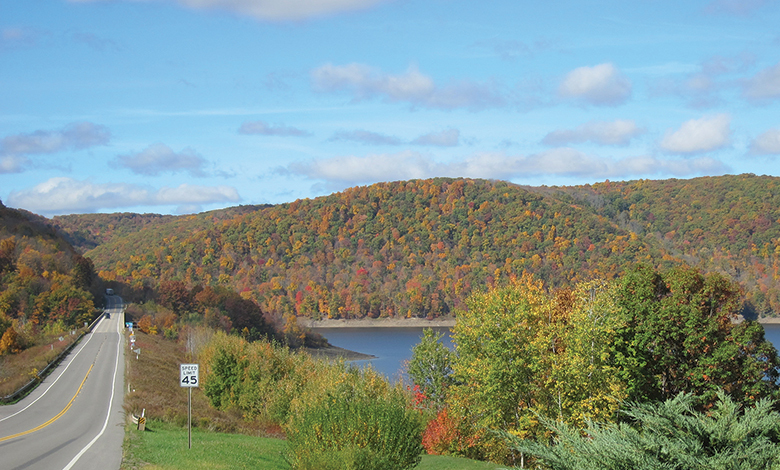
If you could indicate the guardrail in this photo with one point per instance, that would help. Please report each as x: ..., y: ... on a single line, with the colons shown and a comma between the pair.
x: 139, y: 421
x: 29, y: 386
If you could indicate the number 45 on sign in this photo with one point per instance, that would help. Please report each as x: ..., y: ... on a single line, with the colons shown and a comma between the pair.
x: 188, y: 375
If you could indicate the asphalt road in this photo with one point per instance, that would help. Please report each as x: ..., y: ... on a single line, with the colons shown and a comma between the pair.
x: 74, y: 419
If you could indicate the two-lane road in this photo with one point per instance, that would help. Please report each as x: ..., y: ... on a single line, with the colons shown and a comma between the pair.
x: 74, y: 419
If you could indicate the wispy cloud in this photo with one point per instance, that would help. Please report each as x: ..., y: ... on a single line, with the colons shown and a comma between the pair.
x: 352, y: 170
x: 366, y: 137
x: 600, y: 85
x: 263, y: 128
x: 19, y: 37
x: 159, y: 158
x: 445, y: 138
x: 732, y: 7
x: 413, y: 87
x: 74, y: 136
x: 699, y: 135
x: 12, y: 164
x: 764, y: 86
x: 66, y: 195
x: 96, y: 42
x: 274, y: 10
x: 768, y: 143
x: 618, y: 132
x: 704, y: 87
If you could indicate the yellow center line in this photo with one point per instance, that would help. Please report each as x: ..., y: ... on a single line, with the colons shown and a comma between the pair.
x: 59, y: 415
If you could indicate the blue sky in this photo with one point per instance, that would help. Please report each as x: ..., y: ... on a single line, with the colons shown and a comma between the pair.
x: 180, y: 106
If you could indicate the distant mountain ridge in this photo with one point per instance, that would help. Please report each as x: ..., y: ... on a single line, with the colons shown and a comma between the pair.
x: 418, y: 248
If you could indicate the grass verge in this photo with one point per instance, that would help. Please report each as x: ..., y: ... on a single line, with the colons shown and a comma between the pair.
x: 164, y: 447
x: 17, y: 369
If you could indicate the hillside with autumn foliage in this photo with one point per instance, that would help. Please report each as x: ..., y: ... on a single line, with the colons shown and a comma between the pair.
x: 726, y: 224
x: 45, y: 284
x: 419, y: 248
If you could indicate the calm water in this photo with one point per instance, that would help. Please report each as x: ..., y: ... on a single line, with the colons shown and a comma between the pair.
x: 772, y: 334
x: 393, y: 346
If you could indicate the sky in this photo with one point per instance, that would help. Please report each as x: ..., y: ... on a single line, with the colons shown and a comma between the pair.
x: 183, y: 106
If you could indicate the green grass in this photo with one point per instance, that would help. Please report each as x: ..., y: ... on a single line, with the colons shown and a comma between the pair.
x: 164, y: 447
x: 446, y: 462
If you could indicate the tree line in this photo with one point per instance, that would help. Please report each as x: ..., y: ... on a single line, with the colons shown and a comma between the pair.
x: 534, y: 366
x: 419, y: 248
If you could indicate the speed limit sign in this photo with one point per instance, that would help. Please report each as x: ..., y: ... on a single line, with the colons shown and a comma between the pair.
x: 188, y: 375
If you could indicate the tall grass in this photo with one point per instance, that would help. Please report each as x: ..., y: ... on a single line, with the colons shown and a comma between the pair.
x: 17, y: 369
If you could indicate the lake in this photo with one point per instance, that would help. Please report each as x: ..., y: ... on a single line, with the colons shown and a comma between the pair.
x: 393, y: 346
x: 772, y: 334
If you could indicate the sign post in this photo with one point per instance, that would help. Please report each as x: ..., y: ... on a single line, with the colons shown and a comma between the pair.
x: 188, y: 377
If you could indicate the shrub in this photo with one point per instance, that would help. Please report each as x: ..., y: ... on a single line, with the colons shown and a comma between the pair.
x: 671, y: 434
x: 441, y: 434
x: 350, y: 430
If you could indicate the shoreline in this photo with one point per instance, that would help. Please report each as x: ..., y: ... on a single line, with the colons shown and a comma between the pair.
x: 331, y: 352
x: 423, y: 323
x: 378, y: 323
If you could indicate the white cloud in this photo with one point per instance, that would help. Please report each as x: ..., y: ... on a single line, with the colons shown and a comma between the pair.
x: 618, y: 132
x: 190, y: 193
x: 767, y: 143
x: 12, y: 164
x: 366, y: 137
x: 764, y: 86
x: 263, y: 128
x: 600, y: 85
x: 446, y: 138
x: 699, y: 135
x: 275, y: 10
x: 371, y: 168
x: 66, y: 195
x: 159, y: 158
x: 353, y: 170
x: 412, y: 87
x: 74, y: 136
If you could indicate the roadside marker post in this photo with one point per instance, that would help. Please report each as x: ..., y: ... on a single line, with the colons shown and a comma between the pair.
x: 189, y: 378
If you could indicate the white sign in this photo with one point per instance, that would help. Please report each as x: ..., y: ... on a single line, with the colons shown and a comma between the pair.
x: 188, y: 375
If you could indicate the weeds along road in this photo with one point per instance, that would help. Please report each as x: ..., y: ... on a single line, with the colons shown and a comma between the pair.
x: 74, y: 419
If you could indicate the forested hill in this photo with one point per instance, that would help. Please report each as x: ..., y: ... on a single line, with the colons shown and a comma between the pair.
x: 43, y: 280
x: 420, y: 247
x: 86, y: 231
x: 729, y: 224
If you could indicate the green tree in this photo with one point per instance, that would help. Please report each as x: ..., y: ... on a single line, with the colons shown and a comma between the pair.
x: 679, y: 336
x: 430, y: 367
x: 668, y: 435
x: 523, y: 353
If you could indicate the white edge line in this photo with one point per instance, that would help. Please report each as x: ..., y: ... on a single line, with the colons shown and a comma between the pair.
x: 84, y: 345
x: 119, y: 349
